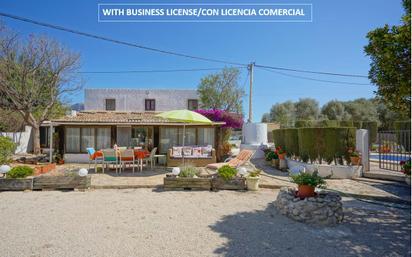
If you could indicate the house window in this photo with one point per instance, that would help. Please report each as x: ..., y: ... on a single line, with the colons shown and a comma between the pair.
x: 192, y: 104
x: 77, y: 139
x: 173, y: 136
x: 142, y: 137
x: 110, y: 104
x: 150, y: 104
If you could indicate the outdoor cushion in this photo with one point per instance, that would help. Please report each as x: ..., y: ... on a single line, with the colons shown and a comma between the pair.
x: 177, y: 151
x: 207, y: 151
x: 197, y: 151
x: 110, y: 159
x: 187, y: 150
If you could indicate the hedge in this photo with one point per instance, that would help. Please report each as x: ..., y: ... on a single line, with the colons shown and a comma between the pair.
x: 402, y: 125
x: 346, y: 123
x: 304, y: 123
x: 328, y: 123
x: 372, y: 127
x: 317, y: 144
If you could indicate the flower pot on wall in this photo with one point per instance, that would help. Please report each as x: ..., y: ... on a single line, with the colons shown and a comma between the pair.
x: 306, y: 191
x: 282, y: 156
x: 355, y: 160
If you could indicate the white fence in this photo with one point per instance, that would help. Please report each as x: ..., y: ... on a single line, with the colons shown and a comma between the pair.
x: 22, y: 139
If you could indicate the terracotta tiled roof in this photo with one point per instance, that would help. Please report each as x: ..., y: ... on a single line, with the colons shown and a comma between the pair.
x: 114, y: 117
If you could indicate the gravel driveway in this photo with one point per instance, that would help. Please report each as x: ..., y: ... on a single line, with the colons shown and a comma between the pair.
x: 145, y: 222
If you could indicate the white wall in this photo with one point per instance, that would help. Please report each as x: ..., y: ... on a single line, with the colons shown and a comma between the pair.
x: 23, y: 139
x: 134, y: 99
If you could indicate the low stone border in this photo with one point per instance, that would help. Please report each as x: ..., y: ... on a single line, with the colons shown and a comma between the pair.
x: 324, y: 209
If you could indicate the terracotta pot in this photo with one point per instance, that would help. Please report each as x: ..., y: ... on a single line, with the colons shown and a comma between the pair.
x: 408, y: 180
x: 354, y: 160
x: 281, y: 156
x: 306, y: 191
x: 61, y: 162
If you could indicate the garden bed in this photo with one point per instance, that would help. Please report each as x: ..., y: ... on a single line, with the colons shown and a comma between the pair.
x: 172, y: 182
x: 61, y: 182
x: 16, y: 184
x: 238, y: 183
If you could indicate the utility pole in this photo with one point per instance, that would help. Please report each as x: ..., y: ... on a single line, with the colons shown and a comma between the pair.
x: 250, y: 68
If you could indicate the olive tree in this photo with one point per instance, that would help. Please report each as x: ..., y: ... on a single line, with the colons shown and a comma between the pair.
x: 35, y: 74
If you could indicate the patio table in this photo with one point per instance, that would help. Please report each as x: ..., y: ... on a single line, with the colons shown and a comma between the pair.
x: 139, y: 155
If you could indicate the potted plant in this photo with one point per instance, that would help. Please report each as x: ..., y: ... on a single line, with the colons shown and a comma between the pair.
x: 58, y: 158
x: 307, y: 183
x: 227, y: 179
x: 354, y: 157
x: 281, y: 153
x: 252, y: 180
x: 268, y: 156
x: 406, y: 169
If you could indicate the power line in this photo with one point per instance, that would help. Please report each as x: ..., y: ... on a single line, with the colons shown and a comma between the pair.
x: 85, y: 34
x: 319, y: 80
x: 148, y: 71
x: 313, y: 72
x: 48, y: 25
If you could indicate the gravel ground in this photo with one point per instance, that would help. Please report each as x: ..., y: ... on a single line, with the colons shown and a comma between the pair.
x: 145, y: 222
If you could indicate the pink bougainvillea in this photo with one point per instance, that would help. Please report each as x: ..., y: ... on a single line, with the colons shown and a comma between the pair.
x: 233, y: 120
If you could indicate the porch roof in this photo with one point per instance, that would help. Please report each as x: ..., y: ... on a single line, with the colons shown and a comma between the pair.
x: 116, y: 117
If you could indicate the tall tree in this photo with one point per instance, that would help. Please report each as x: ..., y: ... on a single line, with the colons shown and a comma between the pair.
x: 35, y: 74
x: 390, y: 51
x: 362, y: 109
x: 283, y: 113
x: 307, y: 109
x: 335, y: 110
x: 221, y: 91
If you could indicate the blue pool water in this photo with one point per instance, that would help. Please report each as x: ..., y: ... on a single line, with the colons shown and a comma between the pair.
x: 389, y: 157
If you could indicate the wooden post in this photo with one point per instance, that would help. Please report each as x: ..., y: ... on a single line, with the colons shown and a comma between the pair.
x: 51, y: 142
x: 250, y: 67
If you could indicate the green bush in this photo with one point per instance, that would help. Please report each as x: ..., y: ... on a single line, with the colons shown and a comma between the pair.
x: 402, y: 125
x: 20, y: 172
x: 313, y: 179
x: 7, y: 148
x: 291, y: 142
x: 271, y: 156
x: 357, y: 124
x: 372, y: 127
x: 328, y: 123
x: 226, y: 172
x: 279, y: 137
x: 304, y: 123
x: 346, y: 123
x: 187, y: 171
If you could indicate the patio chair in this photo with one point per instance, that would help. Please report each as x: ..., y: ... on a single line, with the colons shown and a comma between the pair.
x: 110, y: 157
x: 93, y: 158
x: 127, y: 157
x: 151, y: 158
x: 243, y: 157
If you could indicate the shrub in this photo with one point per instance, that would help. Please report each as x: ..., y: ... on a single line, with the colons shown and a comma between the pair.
x: 279, y: 137
x: 7, y: 148
x: 313, y: 179
x: 20, y: 172
x: 402, y: 125
x: 187, y: 171
x: 254, y: 174
x: 346, y: 123
x: 291, y: 142
x: 328, y: 123
x: 372, y: 127
x: 271, y: 156
x: 226, y: 172
x: 357, y: 124
x: 304, y: 123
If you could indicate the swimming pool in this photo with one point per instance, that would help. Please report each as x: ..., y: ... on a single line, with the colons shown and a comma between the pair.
x: 389, y: 157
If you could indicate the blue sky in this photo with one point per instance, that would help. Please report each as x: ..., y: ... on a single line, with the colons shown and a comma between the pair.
x: 333, y: 42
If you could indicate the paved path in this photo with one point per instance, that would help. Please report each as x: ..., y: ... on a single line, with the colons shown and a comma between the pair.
x: 147, y: 222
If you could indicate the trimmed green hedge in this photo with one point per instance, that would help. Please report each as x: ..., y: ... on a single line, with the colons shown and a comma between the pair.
x: 328, y: 123
x: 402, y: 125
x: 372, y: 127
x: 317, y: 144
x: 346, y: 123
x: 304, y: 123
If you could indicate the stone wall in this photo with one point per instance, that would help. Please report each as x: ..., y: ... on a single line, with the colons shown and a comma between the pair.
x: 324, y: 209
